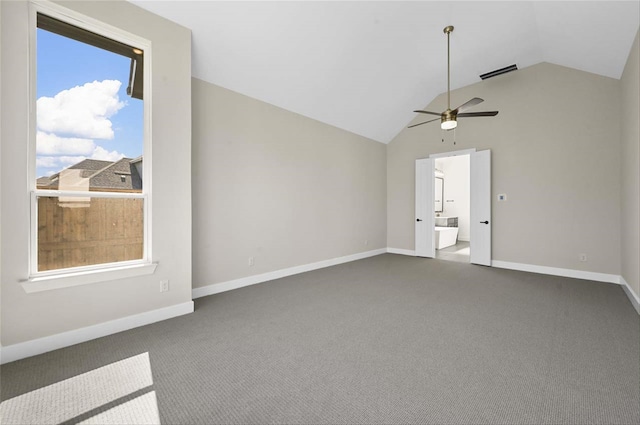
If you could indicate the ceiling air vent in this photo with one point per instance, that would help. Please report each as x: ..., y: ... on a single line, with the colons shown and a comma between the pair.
x: 499, y: 71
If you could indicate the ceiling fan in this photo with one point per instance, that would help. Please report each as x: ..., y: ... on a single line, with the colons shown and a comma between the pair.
x: 449, y: 118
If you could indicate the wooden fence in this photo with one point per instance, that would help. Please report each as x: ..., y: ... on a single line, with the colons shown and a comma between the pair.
x: 89, y: 231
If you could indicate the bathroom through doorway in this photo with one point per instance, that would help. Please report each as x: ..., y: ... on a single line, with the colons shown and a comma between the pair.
x: 452, y: 203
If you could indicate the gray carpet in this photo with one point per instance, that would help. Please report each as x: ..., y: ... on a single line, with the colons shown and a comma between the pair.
x: 388, y: 339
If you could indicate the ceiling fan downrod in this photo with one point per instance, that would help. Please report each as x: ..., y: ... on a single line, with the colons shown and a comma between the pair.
x: 448, y: 30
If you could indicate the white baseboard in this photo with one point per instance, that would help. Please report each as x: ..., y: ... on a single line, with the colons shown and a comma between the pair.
x: 556, y: 271
x: 34, y: 347
x: 410, y: 252
x: 216, y: 288
x: 633, y: 297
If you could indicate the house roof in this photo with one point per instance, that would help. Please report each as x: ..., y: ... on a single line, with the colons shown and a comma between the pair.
x: 91, y: 165
x: 121, y: 175
x: 365, y: 66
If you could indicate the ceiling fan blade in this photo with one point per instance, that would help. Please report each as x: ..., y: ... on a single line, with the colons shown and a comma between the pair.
x: 478, y: 114
x: 429, y: 112
x: 470, y: 104
x: 415, y: 125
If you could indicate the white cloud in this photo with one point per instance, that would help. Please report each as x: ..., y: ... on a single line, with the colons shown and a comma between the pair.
x: 46, y: 162
x: 50, y: 144
x: 59, y: 162
x: 104, y: 155
x: 50, y: 164
x: 82, y: 111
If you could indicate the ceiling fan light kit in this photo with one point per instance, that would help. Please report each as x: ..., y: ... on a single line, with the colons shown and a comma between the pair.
x: 448, y: 124
x: 449, y: 118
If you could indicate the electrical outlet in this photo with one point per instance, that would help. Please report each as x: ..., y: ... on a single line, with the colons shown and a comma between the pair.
x: 251, y: 261
x: 583, y: 257
x: 366, y: 242
x: 164, y: 286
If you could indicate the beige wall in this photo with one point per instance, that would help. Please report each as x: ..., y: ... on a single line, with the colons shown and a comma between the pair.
x: 279, y: 187
x: 556, y: 154
x: 630, y: 174
x: 29, y: 316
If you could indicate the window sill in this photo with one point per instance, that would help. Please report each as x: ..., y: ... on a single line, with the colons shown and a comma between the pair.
x: 67, y: 280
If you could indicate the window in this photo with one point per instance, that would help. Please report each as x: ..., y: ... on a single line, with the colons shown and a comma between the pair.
x: 90, y: 191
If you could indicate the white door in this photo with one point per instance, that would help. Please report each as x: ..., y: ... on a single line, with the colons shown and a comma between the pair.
x: 425, y: 221
x: 480, y: 244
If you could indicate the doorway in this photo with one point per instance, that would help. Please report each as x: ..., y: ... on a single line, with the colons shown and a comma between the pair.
x: 479, y: 229
x: 452, y: 199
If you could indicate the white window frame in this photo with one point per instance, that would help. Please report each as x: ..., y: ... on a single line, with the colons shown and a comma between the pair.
x: 52, y: 279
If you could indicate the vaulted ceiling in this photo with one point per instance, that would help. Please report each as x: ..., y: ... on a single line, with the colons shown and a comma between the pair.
x: 365, y: 66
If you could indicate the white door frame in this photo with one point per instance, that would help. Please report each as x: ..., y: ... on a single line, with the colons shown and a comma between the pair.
x: 454, y: 153
x: 421, y: 250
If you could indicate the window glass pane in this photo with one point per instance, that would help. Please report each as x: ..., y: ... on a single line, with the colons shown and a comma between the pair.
x: 79, y: 231
x: 89, y: 111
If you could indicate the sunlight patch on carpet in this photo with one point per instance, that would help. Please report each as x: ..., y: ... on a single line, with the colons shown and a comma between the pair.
x: 83, y: 393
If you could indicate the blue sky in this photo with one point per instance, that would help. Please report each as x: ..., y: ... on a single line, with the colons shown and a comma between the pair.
x: 81, y: 111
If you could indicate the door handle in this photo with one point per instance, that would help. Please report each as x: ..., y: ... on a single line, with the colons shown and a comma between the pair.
x: 484, y: 222
x: 418, y: 219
